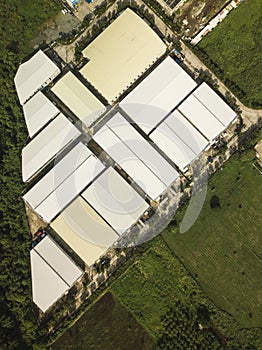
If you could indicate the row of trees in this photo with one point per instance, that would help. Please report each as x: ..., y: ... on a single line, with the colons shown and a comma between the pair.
x: 19, y: 22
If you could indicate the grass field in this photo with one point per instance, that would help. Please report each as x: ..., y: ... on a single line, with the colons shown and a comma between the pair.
x: 223, y: 248
x: 107, y: 326
x: 235, y: 47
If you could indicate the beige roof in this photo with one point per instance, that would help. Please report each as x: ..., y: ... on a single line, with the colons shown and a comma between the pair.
x: 77, y: 97
x: 120, y: 54
x: 258, y: 149
x: 84, y: 231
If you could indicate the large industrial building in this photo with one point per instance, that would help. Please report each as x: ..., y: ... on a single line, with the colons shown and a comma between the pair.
x: 92, y: 185
x: 121, y: 54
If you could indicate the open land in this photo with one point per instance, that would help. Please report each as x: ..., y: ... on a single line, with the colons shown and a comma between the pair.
x: 195, y: 13
x: 234, y: 46
x: 223, y: 248
x: 108, y: 325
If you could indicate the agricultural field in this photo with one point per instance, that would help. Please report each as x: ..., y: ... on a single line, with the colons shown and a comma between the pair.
x: 108, y: 325
x: 233, y: 51
x: 223, y: 248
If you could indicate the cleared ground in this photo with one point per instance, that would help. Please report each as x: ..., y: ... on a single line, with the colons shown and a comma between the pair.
x: 223, y: 248
x: 194, y: 13
x: 106, y: 326
x: 235, y: 47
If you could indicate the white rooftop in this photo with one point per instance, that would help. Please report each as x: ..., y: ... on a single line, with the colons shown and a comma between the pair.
x: 57, y: 175
x: 38, y: 111
x: 115, y: 200
x: 69, y: 189
x: 214, y: 103
x: 201, y: 117
x: 33, y: 74
x: 179, y: 140
x: 159, y: 93
x: 35, y: 155
x: 136, y: 156
x: 58, y: 260
x: 53, y: 273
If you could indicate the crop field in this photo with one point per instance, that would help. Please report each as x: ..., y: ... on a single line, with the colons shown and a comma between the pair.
x: 234, y: 46
x: 223, y: 248
x: 106, y: 326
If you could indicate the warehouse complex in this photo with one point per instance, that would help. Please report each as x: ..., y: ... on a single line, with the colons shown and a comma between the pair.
x: 92, y: 185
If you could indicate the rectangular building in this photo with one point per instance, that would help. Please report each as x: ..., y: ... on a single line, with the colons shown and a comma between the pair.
x: 53, y: 273
x: 159, y: 93
x: 214, y: 103
x: 77, y: 97
x: 115, y: 201
x: 136, y: 156
x: 38, y: 111
x: 201, y: 118
x: 179, y: 140
x: 43, y: 148
x: 120, y: 54
x: 33, y: 74
x: 84, y: 230
x: 62, y: 169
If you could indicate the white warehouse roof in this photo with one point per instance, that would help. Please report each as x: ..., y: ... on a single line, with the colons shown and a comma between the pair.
x: 69, y: 189
x: 33, y: 74
x: 84, y: 230
x: 179, y: 140
x: 120, y: 54
x: 53, y: 273
x: 46, y: 145
x: 201, y: 118
x: 47, y: 286
x: 38, y: 111
x: 77, y: 97
x: 159, y: 93
x: 136, y: 156
x: 214, y: 103
x: 115, y: 200
x: 57, y: 175
x: 60, y: 262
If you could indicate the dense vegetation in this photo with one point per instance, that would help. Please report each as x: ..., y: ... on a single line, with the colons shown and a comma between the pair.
x: 20, y: 20
x: 233, y: 52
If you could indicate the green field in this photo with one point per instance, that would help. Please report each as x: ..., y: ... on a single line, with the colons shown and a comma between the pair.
x: 234, y: 47
x: 107, y: 326
x: 223, y: 248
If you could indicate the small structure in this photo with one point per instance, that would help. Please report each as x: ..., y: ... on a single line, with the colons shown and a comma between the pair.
x: 72, y: 3
x: 258, y: 149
